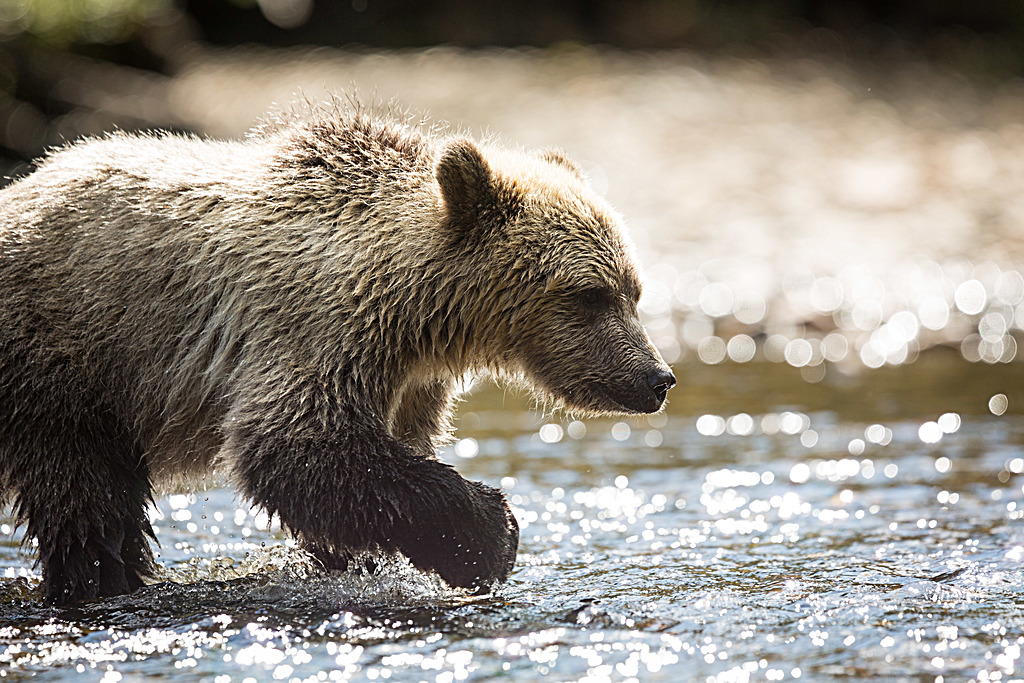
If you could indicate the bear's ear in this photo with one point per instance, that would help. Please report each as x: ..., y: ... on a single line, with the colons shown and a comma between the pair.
x: 560, y: 158
x: 465, y: 180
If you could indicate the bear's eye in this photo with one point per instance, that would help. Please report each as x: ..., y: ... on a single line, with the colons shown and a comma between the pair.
x: 591, y: 297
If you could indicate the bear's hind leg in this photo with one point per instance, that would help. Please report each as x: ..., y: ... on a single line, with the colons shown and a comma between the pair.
x: 93, y: 537
x: 84, y: 499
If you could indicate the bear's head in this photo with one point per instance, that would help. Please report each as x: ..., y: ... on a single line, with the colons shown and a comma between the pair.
x: 557, y: 278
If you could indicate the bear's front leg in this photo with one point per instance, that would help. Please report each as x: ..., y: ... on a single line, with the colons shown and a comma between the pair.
x: 357, y: 488
x: 423, y: 419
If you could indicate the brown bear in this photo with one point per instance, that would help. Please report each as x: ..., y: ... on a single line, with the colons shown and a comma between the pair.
x: 295, y: 310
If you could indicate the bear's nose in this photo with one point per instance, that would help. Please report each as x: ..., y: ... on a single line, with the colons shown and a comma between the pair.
x: 660, y: 380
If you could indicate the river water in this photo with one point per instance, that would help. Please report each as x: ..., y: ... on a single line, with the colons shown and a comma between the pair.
x: 836, y: 490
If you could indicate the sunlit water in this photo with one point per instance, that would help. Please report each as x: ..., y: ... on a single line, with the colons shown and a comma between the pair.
x: 780, y: 539
x: 836, y: 490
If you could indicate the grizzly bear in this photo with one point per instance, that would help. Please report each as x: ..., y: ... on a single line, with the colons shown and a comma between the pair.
x: 296, y: 310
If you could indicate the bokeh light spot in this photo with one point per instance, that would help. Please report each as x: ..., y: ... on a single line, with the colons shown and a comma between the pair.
x: 970, y: 297
x: 998, y: 404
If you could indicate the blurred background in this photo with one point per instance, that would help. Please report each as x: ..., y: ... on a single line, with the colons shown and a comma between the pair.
x: 821, y: 184
x: 77, y: 67
x: 829, y: 186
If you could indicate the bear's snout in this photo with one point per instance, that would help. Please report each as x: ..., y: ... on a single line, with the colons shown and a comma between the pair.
x: 650, y: 390
x: 644, y: 393
x: 660, y: 380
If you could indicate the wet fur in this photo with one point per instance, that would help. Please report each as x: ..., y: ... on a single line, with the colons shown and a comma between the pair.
x: 294, y: 310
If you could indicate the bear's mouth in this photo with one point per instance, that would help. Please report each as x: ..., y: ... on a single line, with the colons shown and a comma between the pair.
x: 606, y: 398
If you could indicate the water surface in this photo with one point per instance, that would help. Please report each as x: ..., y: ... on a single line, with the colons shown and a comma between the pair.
x: 808, y: 531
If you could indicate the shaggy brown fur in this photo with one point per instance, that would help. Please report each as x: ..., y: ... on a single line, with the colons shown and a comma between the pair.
x: 295, y: 310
